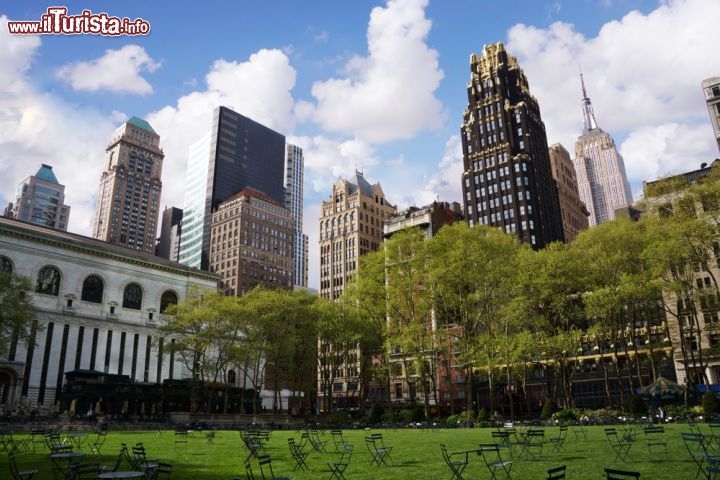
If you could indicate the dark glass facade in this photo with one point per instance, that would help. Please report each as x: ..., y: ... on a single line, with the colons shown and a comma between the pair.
x: 507, y: 178
x: 243, y: 153
x: 171, y: 219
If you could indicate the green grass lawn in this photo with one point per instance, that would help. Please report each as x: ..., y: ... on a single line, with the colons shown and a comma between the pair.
x: 416, y: 456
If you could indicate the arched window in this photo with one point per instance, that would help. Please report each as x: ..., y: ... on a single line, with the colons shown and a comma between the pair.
x: 168, y: 298
x: 92, y: 289
x: 48, y: 281
x: 132, y: 297
x: 5, y: 265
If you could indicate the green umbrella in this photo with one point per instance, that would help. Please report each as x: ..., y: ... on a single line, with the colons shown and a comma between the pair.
x: 661, y: 387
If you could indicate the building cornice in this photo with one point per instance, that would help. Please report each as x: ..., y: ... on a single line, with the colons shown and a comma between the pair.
x: 90, y: 246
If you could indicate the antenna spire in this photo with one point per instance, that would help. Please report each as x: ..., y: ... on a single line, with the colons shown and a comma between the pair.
x: 582, y: 82
x: 588, y: 113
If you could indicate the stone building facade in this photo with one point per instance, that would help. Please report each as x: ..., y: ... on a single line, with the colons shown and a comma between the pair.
x: 602, y: 180
x: 40, y: 200
x: 99, y: 308
x: 507, y: 180
x: 574, y: 213
x: 252, y: 242
x: 351, y: 225
x: 128, y: 200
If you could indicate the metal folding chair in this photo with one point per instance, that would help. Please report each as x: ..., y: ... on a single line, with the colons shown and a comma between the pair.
x: 713, y: 468
x: 266, y: 465
x: 655, y: 437
x: 379, y: 452
x: 19, y: 474
x: 621, y: 447
x: 620, y: 474
x: 558, y: 442
x: 338, y: 467
x: 298, y: 455
x: 557, y: 473
x: 317, y: 444
x: 696, y: 447
x: 96, y: 446
x: 456, y: 466
x: 580, y: 432
x: 493, y: 460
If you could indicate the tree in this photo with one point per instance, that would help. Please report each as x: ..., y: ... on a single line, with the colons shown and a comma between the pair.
x: 621, y: 278
x: 338, y: 335
x: 206, y: 330
x: 282, y: 320
x: 17, y: 313
x: 366, y: 296
x: 472, y: 271
x: 410, y: 322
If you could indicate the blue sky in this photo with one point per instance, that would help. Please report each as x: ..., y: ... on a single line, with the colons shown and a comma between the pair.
x: 378, y: 85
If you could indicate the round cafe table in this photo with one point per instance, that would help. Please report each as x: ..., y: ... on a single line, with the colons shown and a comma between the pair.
x: 69, y: 456
x: 111, y: 475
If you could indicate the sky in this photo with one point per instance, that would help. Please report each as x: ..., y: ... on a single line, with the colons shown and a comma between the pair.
x: 378, y: 86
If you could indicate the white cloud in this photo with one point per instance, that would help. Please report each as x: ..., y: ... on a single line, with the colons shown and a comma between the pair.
x: 38, y: 128
x: 326, y: 159
x: 668, y: 148
x: 445, y: 183
x: 16, y: 55
x: 643, y: 73
x: 116, y: 71
x: 259, y: 88
x: 389, y: 94
x: 322, y: 37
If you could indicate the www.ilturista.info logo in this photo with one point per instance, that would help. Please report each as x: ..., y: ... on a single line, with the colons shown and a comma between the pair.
x: 57, y: 22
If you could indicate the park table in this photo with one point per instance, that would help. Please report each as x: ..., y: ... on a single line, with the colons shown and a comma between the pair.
x: 57, y: 459
x: 126, y: 474
x: 78, y: 439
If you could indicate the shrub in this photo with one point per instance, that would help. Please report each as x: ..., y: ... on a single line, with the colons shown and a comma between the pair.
x: 337, y: 418
x: 710, y: 403
x: 638, y: 406
x: 406, y: 415
x: 548, y: 409
x: 565, y: 415
x: 376, y: 413
x: 418, y: 413
x: 389, y: 417
x: 453, y: 420
x: 482, y: 416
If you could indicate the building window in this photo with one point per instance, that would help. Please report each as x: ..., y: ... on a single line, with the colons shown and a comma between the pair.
x: 48, y: 281
x: 5, y: 265
x: 92, y: 289
x: 398, y: 390
x: 168, y: 298
x: 132, y: 297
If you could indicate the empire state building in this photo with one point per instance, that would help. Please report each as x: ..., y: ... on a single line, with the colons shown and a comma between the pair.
x: 600, y: 168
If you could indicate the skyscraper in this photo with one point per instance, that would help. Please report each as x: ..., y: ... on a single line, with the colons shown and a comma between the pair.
x: 574, y: 213
x: 351, y: 225
x: 711, y: 87
x: 294, y: 166
x: 168, y: 245
x: 40, y: 200
x: 252, y: 243
x: 127, y: 205
x: 236, y: 154
x: 600, y: 169
x: 507, y: 180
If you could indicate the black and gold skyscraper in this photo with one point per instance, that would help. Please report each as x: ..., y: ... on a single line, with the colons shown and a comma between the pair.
x: 507, y: 178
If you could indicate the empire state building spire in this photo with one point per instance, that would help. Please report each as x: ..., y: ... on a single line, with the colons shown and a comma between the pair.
x: 588, y: 114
